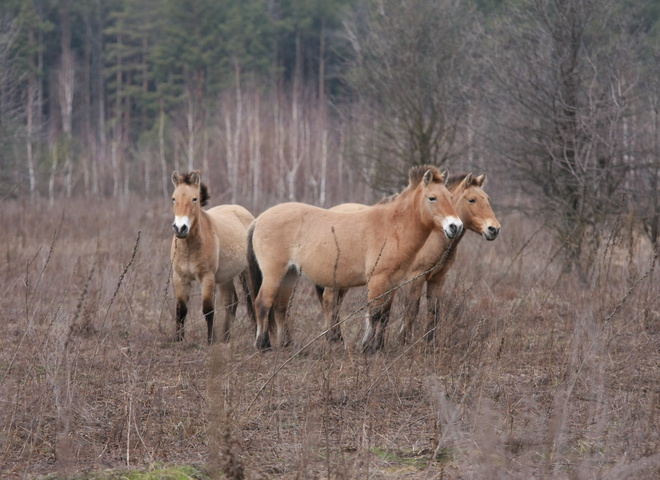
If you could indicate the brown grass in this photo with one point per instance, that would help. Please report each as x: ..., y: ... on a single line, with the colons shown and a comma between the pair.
x: 534, y: 374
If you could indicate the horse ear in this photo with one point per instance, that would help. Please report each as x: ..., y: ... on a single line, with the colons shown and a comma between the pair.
x: 479, y: 181
x: 175, y: 178
x: 467, y: 181
x: 428, y: 177
x: 444, y: 174
x: 195, y: 177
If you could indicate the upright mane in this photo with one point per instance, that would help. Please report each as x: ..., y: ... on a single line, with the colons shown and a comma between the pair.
x: 416, y: 174
x: 455, y: 180
x: 188, y: 179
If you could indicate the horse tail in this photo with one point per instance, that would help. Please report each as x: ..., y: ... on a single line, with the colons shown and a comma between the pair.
x: 255, y: 277
x: 249, y: 300
x: 319, y: 293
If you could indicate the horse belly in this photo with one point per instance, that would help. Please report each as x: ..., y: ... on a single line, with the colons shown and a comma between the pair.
x: 323, y: 265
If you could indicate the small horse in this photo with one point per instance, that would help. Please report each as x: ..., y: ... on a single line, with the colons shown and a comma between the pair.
x: 432, y: 262
x: 209, y: 246
x: 373, y: 246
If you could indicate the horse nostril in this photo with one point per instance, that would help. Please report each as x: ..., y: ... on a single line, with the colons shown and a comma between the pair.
x: 492, y: 230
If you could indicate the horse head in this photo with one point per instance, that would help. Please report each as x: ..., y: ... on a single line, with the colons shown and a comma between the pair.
x: 436, y: 199
x: 189, y: 196
x: 473, y: 206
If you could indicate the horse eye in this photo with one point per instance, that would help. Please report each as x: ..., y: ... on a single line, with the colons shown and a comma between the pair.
x: 173, y: 200
x: 195, y: 200
x: 472, y: 200
x: 432, y: 199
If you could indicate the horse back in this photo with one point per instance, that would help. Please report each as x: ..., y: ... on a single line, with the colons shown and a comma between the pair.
x: 328, y: 247
x: 227, y: 239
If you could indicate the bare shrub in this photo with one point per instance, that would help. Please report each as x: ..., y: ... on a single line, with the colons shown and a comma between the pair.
x: 533, y: 373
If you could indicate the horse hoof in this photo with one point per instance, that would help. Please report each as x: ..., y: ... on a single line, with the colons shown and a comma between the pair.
x: 263, y: 343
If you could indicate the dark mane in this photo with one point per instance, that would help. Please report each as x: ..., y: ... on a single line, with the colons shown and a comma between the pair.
x: 455, y: 180
x: 416, y: 174
x: 203, y: 189
x: 388, y: 199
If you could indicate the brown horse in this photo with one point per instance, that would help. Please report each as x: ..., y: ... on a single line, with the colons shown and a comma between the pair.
x: 209, y: 246
x: 373, y: 246
x: 432, y: 262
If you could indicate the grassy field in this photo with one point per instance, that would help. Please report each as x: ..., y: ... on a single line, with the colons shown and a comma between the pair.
x: 535, y: 374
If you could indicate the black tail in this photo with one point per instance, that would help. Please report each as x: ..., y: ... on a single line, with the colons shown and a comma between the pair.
x: 319, y: 293
x: 245, y: 283
x: 255, y: 278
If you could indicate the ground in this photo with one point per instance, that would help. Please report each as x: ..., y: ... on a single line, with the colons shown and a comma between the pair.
x: 535, y: 373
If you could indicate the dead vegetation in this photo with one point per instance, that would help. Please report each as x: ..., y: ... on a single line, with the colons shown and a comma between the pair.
x: 535, y: 374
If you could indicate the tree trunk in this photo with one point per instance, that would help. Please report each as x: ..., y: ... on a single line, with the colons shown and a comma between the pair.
x: 190, y: 117
x: 30, y: 122
x: 161, y: 151
x: 254, y: 132
x: 53, y: 170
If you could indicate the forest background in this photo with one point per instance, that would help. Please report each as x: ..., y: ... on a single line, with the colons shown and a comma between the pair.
x: 309, y: 100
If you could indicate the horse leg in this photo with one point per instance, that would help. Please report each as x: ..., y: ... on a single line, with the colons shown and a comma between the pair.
x: 262, y: 304
x: 433, y: 292
x: 249, y: 301
x: 331, y: 301
x: 230, y: 303
x: 374, y: 337
x: 411, y: 297
x: 182, y: 289
x: 281, y: 308
x: 208, y: 305
x: 377, y: 316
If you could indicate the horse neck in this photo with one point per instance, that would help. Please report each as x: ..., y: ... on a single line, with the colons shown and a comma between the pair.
x: 406, y: 216
x: 202, y: 225
x: 450, y: 253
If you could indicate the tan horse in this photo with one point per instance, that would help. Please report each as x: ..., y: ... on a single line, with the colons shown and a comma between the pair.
x: 209, y: 246
x: 432, y: 262
x: 373, y: 247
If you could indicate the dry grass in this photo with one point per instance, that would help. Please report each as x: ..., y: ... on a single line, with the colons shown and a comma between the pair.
x: 534, y: 375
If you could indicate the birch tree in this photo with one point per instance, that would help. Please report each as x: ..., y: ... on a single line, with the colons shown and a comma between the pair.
x: 407, y: 68
x: 563, y: 82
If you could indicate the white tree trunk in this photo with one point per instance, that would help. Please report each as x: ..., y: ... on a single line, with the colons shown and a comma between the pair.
x: 190, y: 117
x: 254, y: 132
x: 324, y: 168
x: 161, y: 153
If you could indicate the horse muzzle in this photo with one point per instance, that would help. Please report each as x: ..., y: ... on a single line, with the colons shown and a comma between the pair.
x: 491, y: 233
x: 181, y: 226
x: 180, y: 232
x: 452, y: 227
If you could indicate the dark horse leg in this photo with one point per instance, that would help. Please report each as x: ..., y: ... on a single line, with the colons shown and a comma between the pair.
x: 331, y: 299
x: 181, y: 312
x: 229, y: 300
x: 411, y: 297
x: 182, y: 289
x: 376, y: 321
x: 208, y: 305
x: 433, y: 306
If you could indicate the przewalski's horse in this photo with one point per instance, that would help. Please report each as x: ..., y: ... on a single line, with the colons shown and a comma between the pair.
x: 438, y: 255
x: 373, y: 246
x: 209, y: 246
x: 434, y: 259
